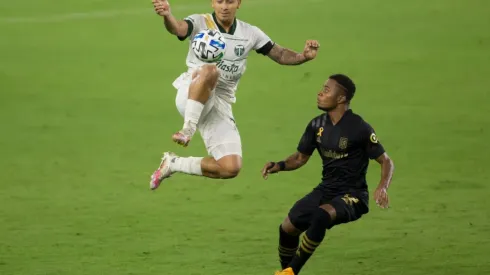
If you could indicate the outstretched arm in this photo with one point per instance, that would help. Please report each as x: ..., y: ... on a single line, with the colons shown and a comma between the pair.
x: 293, y: 162
x: 176, y: 27
x: 286, y: 56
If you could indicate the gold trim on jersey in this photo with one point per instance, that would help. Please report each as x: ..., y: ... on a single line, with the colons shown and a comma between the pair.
x: 210, y: 22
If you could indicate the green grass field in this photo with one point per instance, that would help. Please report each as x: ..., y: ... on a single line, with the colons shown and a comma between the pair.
x: 87, y: 108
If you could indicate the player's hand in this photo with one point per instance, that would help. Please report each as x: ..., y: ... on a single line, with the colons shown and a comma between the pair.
x: 162, y: 7
x: 270, y: 168
x: 311, y: 49
x: 381, y: 197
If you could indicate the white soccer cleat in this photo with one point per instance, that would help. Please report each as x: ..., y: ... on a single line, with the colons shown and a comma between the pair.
x: 163, y: 170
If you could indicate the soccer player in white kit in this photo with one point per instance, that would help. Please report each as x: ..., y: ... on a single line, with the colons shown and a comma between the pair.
x: 206, y: 92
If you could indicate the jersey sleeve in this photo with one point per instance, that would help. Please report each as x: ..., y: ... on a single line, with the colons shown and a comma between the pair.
x: 307, y: 143
x: 195, y: 24
x: 374, y: 148
x: 262, y: 43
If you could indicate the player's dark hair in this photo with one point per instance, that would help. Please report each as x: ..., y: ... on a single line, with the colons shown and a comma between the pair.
x: 346, y: 83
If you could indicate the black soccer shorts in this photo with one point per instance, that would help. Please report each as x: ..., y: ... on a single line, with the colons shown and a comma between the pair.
x: 349, y: 207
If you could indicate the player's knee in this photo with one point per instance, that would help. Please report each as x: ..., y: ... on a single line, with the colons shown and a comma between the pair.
x: 230, y: 171
x: 323, y: 217
x: 288, y: 227
x: 330, y: 210
x: 230, y: 166
x: 210, y: 74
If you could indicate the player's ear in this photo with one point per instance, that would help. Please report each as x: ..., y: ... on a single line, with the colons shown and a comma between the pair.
x: 341, y: 99
x: 239, y: 3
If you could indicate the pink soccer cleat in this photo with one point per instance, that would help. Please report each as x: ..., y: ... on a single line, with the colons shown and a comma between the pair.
x: 163, y: 170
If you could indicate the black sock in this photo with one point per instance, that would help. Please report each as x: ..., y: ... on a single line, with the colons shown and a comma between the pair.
x: 288, y: 245
x: 312, y: 238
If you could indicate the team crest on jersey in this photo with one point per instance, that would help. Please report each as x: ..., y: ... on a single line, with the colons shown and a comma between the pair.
x: 239, y: 50
x: 343, y: 143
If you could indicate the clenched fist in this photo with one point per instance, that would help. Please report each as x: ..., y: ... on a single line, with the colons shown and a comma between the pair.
x: 311, y: 49
x: 162, y: 7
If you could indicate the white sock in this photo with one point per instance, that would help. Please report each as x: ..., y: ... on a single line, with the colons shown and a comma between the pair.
x: 193, y: 110
x: 189, y: 165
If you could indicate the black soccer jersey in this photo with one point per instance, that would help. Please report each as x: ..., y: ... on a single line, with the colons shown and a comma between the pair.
x: 345, y: 149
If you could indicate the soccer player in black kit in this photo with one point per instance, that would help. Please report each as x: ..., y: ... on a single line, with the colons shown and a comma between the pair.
x: 345, y: 143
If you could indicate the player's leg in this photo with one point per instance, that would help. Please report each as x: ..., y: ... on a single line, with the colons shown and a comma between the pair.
x: 296, y: 222
x: 203, y: 82
x: 226, y: 167
x: 191, y: 165
x: 223, y: 144
x: 341, y: 209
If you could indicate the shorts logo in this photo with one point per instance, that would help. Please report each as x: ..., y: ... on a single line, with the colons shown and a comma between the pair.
x: 350, y: 200
x: 343, y: 143
x: 239, y: 50
x: 373, y: 138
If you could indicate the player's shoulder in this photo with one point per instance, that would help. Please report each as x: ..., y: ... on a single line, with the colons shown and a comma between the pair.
x: 195, y: 16
x: 245, y: 26
x: 318, y: 121
x: 243, y: 23
x: 355, y: 117
x: 199, y: 18
x: 357, y: 121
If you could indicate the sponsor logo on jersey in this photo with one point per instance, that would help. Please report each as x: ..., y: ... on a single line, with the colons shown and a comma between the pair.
x: 229, y: 70
x: 227, y: 67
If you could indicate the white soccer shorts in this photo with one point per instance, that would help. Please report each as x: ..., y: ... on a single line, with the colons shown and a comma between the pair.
x: 216, y: 125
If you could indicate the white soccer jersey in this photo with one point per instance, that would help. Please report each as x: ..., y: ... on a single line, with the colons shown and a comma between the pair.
x: 240, y: 41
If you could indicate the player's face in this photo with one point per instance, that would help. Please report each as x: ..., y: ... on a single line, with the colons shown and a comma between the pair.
x: 225, y: 9
x: 330, y: 96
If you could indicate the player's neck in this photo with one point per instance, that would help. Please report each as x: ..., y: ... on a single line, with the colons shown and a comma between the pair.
x: 226, y: 25
x: 337, y: 114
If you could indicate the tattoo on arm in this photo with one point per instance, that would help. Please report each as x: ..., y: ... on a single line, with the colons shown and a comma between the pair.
x: 285, y: 56
x: 295, y: 161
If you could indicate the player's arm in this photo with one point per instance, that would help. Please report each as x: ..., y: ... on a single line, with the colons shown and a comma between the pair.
x: 264, y: 45
x: 387, y: 168
x: 285, y: 56
x: 179, y: 28
x: 376, y: 151
x: 305, y: 149
x: 291, y: 163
